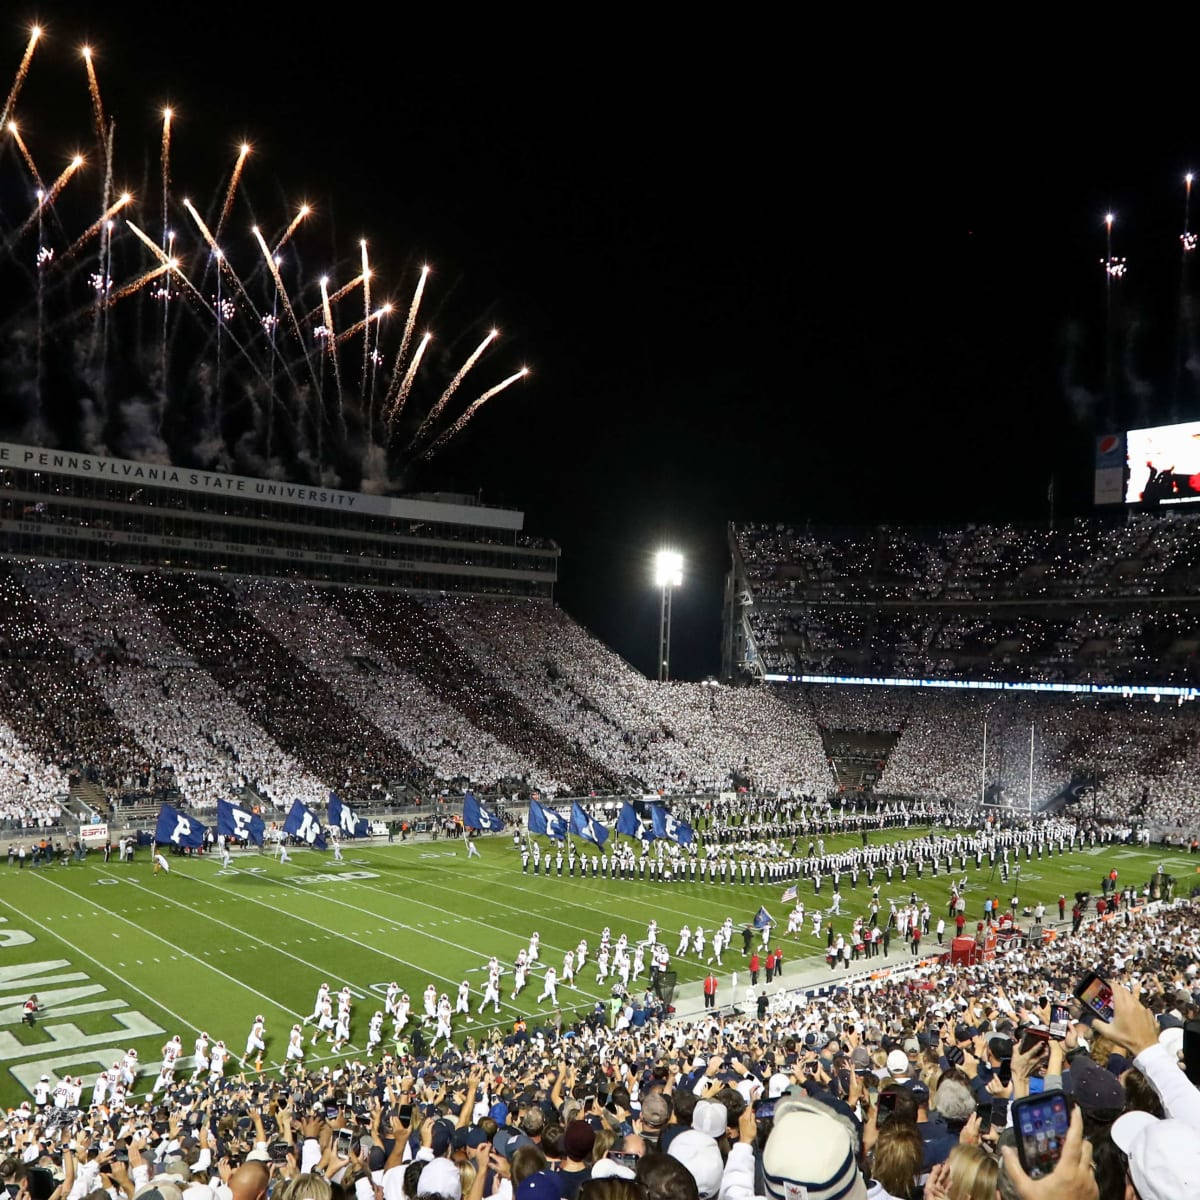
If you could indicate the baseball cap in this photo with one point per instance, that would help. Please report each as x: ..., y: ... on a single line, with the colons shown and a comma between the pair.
x: 579, y: 1138
x: 897, y: 1063
x: 1094, y: 1087
x: 710, y: 1117
x: 777, y: 1085
x: 656, y: 1110
x: 1164, y: 1156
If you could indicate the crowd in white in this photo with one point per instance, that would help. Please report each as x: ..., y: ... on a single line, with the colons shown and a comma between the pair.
x: 29, y: 787
x: 169, y: 705
x: 677, y: 737
x: 494, y: 693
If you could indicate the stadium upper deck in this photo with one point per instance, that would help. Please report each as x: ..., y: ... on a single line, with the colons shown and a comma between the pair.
x: 62, y: 505
x: 1093, y: 601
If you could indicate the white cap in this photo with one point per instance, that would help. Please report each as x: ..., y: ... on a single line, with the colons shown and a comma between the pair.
x: 1164, y: 1156
x: 897, y: 1063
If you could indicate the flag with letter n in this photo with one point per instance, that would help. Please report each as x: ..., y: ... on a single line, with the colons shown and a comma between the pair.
x: 303, y: 825
x: 763, y: 919
x: 475, y: 816
x: 342, y: 818
x: 668, y: 827
x: 546, y: 821
x: 239, y: 823
x: 587, y: 827
x: 177, y: 829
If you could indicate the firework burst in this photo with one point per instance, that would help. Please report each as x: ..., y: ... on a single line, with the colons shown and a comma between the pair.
x: 189, y: 323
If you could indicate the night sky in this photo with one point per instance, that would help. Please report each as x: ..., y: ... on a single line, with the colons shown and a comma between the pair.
x: 753, y: 281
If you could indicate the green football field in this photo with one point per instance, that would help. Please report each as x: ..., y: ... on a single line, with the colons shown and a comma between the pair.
x: 120, y: 957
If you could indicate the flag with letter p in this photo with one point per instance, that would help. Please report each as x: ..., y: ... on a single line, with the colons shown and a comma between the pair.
x: 342, y: 817
x: 177, y: 829
x: 302, y: 824
x: 763, y: 919
x: 475, y: 816
x: 546, y: 821
x: 630, y: 824
x: 667, y: 826
x: 587, y: 827
x: 239, y: 823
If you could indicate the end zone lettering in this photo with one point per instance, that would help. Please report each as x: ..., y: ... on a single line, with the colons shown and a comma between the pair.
x: 61, y: 1045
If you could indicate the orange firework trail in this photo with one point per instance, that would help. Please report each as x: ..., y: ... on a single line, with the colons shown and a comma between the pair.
x: 273, y: 267
x: 366, y: 355
x: 397, y: 392
x: 331, y: 338
x: 16, y: 133
x: 409, y: 375
x: 97, y: 225
x: 231, y: 191
x: 295, y: 224
x: 48, y: 198
x: 94, y: 92
x: 34, y: 35
x: 359, y: 326
x: 205, y: 232
x: 219, y: 254
x: 476, y: 405
x: 165, y: 161
x: 436, y: 411
x: 139, y: 282
x: 334, y: 297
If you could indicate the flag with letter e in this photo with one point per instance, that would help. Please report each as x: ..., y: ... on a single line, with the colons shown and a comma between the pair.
x: 177, y: 829
x: 302, y: 824
x: 240, y: 823
x: 666, y: 826
x: 475, y: 816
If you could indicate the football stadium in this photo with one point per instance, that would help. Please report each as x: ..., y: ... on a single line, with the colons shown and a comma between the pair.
x: 348, y: 852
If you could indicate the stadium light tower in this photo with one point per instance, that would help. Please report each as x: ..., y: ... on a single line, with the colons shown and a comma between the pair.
x: 668, y: 574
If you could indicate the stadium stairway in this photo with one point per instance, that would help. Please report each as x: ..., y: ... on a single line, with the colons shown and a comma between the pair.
x: 857, y: 757
x: 86, y: 797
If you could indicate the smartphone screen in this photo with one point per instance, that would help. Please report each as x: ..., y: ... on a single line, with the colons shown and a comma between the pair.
x: 1095, y: 994
x: 1004, y: 1071
x: 1041, y: 1123
x: 405, y: 1114
x: 984, y: 1113
x: 1060, y: 1017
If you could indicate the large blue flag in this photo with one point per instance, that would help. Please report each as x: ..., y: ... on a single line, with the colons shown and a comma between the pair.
x: 475, y: 816
x: 630, y: 824
x: 763, y: 919
x: 177, y: 829
x: 239, y: 823
x: 302, y: 823
x: 585, y: 827
x: 546, y: 821
x: 344, y: 820
x: 667, y: 826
